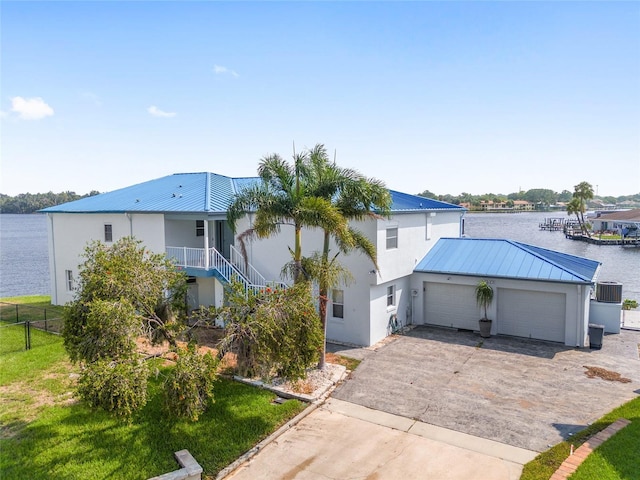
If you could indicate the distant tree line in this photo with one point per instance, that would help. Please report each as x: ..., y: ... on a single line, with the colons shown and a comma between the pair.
x: 539, y: 196
x: 32, y: 202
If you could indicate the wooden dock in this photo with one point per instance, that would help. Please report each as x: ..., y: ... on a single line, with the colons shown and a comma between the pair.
x: 552, y: 224
x: 624, y: 242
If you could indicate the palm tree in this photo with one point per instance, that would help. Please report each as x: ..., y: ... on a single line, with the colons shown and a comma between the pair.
x: 282, y: 198
x: 356, y: 198
x: 583, y: 192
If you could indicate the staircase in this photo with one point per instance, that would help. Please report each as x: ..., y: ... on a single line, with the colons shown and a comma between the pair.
x: 227, y: 271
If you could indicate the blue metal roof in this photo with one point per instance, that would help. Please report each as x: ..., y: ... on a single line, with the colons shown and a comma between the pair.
x: 404, y: 202
x: 488, y: 257
x: 201, y: 193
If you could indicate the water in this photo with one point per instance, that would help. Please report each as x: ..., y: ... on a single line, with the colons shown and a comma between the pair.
x: 619, y: 264
x: 24, y: 255
x: 24, y: 265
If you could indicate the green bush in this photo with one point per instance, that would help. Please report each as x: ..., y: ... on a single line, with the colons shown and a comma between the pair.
x: 274, y: 332
x: 118, y: 387
x: 189, y: 386
x: 629, y: 304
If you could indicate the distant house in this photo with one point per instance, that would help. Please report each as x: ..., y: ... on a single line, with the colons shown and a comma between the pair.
x: 427, y: 273
x: 523, y: 206
x: 491, y: 206
x: 625, y: 222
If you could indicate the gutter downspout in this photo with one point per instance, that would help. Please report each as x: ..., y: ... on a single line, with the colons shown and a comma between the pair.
x: 54, y: 274
x: 130, y: 217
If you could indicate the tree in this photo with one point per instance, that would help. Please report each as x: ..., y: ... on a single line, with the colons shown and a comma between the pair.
x: 356, y: 198
x: 282, y: 198
x: 583, y: 192
x: 272, y: 332
x: 124, y: 291
x: 565, y: 196
x: 428, y: 194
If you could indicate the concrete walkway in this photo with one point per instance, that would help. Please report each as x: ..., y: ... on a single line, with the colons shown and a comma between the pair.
x: 344, y: 440
x: 631, y: 319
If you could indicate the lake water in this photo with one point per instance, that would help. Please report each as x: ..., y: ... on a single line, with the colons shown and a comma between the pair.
x: 24, y: 264
x: 24, y: 255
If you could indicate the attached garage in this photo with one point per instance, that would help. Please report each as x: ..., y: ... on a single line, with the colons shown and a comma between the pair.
x: 450, y: 305
x: 538, y: 293
x: 523, y: 313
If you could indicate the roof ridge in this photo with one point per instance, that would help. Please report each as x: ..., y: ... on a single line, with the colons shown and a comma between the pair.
x: 525, y: 247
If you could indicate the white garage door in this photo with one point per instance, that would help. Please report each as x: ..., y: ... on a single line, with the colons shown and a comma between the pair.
x: 529, y: 314
x: 450, y: 305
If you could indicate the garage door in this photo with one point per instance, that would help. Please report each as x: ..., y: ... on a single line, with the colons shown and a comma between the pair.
x: 529, y: 314
x: 450, y: 305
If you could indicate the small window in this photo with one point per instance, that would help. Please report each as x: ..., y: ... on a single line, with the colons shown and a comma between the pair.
x: 392, y: 238
x: 108, y: 232
x: 391, y: 296
x: 337, y: 299
x: 68, y: 276
x: 199, y: 228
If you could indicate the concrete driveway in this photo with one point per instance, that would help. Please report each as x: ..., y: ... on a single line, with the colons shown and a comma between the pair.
x: 519, y: 392
x: 342, y: 440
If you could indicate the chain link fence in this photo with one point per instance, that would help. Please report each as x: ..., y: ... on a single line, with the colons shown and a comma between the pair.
x: 23, y: 327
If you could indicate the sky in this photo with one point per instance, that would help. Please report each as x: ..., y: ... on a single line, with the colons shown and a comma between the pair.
x: 450, y: 97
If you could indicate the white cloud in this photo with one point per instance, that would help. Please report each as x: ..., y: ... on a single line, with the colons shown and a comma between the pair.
x: 156, y: 112
x: 31, y: 108
x: 220, y: 70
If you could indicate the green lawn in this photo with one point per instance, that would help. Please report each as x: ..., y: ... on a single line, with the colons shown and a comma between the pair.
x: 45, y: 433
x: 616, y: 459
x: 29, y: 308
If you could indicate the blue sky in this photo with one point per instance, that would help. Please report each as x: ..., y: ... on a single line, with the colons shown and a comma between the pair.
x: 446, y: 96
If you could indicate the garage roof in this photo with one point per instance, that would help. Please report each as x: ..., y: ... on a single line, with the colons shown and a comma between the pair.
x: 202, y: 193
x: 495, y: 257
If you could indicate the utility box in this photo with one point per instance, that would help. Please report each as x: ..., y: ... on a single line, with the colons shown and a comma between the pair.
x: 596, y: 334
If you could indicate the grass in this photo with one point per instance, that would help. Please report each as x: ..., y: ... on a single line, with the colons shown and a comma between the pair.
x: 616, y: 459
x: 29, y: 308
x: 45, y: 433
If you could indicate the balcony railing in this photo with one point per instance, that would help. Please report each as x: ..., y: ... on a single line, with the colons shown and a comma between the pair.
x: 213, y: 260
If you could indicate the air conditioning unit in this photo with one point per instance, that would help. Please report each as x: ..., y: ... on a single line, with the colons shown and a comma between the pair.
x: 609, y: 292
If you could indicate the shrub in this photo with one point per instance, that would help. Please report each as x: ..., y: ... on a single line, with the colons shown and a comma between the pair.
x: 629, y: 304
x: 275, y: 332
x: 189, y: 386
x: 118, y: 387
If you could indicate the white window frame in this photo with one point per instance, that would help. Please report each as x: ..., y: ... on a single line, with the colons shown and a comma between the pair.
x: 391, y: 296
x: 337, y: 300
x: 108, y: 232
x: 392, y: 237
x: 68, y: 277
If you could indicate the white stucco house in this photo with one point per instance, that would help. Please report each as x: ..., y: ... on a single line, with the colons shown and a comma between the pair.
x: 184, y: 215
x: 427, y: 272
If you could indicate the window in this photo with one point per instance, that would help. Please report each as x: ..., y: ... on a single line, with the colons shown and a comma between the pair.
x: 108, y: 232
x: 199, y: 228
x: 391, y: 296
x: 392, y: 238
x: 68, y: 276
x: 337, y: 299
